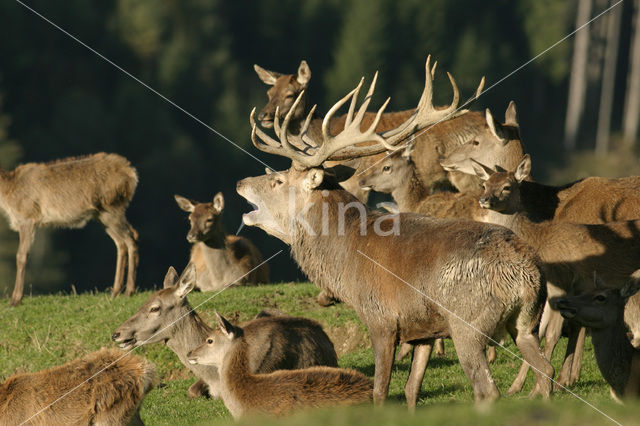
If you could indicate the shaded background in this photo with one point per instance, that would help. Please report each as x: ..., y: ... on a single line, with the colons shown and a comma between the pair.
x: 58, y: 99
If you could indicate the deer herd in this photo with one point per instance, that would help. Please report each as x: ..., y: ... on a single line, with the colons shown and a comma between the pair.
x: 472, y: 250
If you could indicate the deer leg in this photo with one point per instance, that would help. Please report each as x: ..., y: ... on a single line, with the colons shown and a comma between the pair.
x: 27, y: 235
x: 576, y: 366
x: 197, y: 389
x: 131, y: 241
x: 440, y: 347
x: 405, y: 349
x: 492, y: 354
x: 470, y: 348
x: 565, y: 372
x: 121, y: 248
x: 383, y: 344
x: 419, y: 361
x: 544, y: 321
x: 529, y: 346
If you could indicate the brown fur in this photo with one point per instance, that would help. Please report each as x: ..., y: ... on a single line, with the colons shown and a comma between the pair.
x: 68, y: 193
x: 278, y: 342
x: 220, y: 259
x: 279, y: 392
x: 110, y: 389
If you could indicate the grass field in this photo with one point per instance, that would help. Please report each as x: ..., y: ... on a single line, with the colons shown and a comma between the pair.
x: 49, y: 330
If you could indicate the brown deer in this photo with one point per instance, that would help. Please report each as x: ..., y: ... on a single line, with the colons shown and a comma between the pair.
x: 68, y: 193
x: 220, y: 259
x: 468, y: 280
x: 450, y: 130
x: 570, y: 252
x: 278, y: 392
x: 279, y: 342
x: 602, y: 310
x: 103, y: 388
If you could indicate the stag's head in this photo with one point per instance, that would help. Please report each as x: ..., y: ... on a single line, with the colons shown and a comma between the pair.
x: 599, y: 308
x: 497, y: 147
x: 284, y: 91
x: 205, y: 218
x: 158, y: 318
x: 501, y: 190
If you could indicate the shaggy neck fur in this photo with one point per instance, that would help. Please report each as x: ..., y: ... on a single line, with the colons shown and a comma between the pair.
x: 409, y: 195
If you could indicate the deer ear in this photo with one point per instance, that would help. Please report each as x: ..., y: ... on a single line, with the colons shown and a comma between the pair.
x: 313, y: 179
x: 170, y: 278
x: 268, y: 171
x: 184, y: 203
x: 187, y: 280
x: 218, y: 202
x: 510, y: 116
x: 267, y: 77
x: 228, y: 330
x: 524, y: 168
x: 630, y: 288
x: 304, y: 73
x: 481, y: 170
x: 493, y: 126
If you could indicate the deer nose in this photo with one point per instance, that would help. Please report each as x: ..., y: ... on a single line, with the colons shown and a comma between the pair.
x: 262, y: 115
x: 115, y: 336
x: 484, y: 202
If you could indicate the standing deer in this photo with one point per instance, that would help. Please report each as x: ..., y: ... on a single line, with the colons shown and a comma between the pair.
x: 471, y: 280
x: 68, y: 193
x: 450, y: 129
x: 103, y: 388
x: 220, y: 259
x: 278, y: 342
x: 603, y: 309
x: 570, y: 252
x: 278, y: 392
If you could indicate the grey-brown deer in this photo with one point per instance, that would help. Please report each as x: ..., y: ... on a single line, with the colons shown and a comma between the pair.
x: 103, y: 388
x: 279, y: 392
x: 279, y: 342
x: 602, y: 310
x: 68, y: 193
x: 221, y: 260
x: 471, y: 281
x: 450, y: 129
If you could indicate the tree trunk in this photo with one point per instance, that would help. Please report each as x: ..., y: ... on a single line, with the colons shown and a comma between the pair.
x: 578, y: 78
x: 608, y: 79
x: 631, y: 115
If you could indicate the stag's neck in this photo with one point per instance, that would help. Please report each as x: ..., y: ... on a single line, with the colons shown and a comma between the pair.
x: 411, y: 193
x: 238, y: 383
x: 614, y: 355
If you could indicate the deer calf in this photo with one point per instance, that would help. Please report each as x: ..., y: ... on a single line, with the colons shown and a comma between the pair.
x: 279, y: 392
x: 220, y: 259
x: 278, y: 342
x: 103, y: 388
x: 602, y: 309
x: 68, y: 193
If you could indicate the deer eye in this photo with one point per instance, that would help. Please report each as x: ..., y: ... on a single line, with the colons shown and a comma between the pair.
x: 475, y: 143
x: 601, y: 298
x: 506, y: 189
x: 210, y: 341
x: 386, y: 168
x: 154, y: 309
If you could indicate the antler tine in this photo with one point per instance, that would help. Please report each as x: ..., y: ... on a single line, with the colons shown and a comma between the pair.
x: 433, y: 69
x: 456, y: 95
x: 367, y: 100
x: 325, y: 122
x: 276, y: 121
x: 352, y: 105
x: 479, y: 89
x: 283, y: 135
x: 269, y: 141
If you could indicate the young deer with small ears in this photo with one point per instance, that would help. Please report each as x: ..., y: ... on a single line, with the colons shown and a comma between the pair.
x: 279, y: 392
x: 220, y: 259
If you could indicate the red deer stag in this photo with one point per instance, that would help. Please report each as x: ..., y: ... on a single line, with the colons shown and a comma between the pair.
x: 278, y: 342
x: 279, y: 392
x: 103, y: 388
x: 472, y: 280
x: 220, y: 259
x: 68, y: 193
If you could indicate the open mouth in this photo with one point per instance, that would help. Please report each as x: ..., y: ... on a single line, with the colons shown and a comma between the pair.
x: 568, y: 313
x: 127, y: 343
x: 193, y: 360
x: 250, y: 218
x: 267, y: 123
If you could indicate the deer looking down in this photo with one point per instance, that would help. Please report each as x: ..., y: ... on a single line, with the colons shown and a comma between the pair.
x: 220, y: 259
x: 278, y: 392
x: 471, y: 280
x: 68, y: 193
x: 602, y: 309
x: 103, y: 388
x: 451, y: 128
x: 278, y: 342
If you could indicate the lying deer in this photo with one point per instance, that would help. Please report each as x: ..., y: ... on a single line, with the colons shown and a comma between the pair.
x: 570, y: 252
x: 450, y: 129
x: 68, y: 193
x: 103, y: 388
x: 468, y: 280
x: 279, y: 342
x: 602, y: 310
x: 220, y: 259
x: 279, y: 392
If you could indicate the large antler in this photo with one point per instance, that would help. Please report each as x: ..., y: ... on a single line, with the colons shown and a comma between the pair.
x: 306, y: 152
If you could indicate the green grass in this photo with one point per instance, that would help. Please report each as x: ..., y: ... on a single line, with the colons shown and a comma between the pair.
x: 49, y: 330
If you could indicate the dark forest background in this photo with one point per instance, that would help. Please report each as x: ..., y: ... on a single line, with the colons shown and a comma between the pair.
x: 59, y: 99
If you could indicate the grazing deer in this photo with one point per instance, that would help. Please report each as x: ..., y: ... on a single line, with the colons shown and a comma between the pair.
x: 220, y: 259
x: 570, y: 252
x: 103, y: 388
x: 279, y: 342
x: 450, y: 129
x: 603, y: 309
x: 68, y: 193
x: 278, y: 392
x: 468, y: 280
